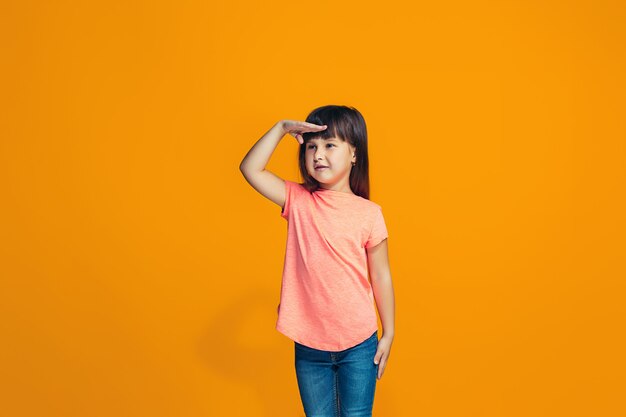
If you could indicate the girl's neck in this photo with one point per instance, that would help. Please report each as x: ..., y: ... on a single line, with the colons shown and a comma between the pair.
x: 348, y: 192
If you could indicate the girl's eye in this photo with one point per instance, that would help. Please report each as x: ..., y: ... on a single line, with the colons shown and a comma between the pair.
x: 312, y: 146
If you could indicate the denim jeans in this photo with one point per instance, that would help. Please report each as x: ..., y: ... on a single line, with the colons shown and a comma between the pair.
x: 337, y: 384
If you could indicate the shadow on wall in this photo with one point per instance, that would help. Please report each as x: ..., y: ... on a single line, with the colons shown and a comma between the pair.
x: 232, y: 351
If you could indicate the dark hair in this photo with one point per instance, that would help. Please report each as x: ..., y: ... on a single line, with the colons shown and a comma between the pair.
x: 347, y: 124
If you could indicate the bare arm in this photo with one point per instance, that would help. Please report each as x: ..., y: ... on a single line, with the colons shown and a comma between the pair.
x: 253, y: 164
x: 259, y: 155
x: 378, y: 263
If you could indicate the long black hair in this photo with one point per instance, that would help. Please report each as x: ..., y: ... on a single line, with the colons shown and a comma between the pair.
x: 347, y: 124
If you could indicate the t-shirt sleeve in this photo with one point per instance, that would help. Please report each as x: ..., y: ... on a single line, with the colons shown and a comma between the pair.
x: 378, y: 231
x: 291, y: 191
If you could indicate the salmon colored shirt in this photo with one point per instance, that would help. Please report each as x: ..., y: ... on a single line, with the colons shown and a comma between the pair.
x: 326, y: 299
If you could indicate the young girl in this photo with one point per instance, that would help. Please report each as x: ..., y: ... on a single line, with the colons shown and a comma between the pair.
x: 336, y: 236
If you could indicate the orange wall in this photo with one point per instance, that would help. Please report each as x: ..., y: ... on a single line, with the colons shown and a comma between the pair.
x: 140, y: 273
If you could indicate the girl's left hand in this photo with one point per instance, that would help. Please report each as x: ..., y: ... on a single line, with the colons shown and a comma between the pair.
x: 382, y: 354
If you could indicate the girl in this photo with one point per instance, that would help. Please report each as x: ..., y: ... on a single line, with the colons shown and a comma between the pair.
x: 336, y: 236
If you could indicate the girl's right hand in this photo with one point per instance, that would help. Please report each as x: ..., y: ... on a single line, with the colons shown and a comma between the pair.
x: 296, y: 128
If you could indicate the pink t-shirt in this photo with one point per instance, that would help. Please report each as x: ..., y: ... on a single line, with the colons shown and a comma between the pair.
x: 326, y: 299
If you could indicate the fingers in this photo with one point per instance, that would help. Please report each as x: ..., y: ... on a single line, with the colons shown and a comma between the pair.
x: 304, y: 127
x: 316, y: 127
x: 381, y: 369
x: 298, y: 137
x: 381, y: 360
x: 313, y: 125
x: 295, y: 124
x: 307, y: 127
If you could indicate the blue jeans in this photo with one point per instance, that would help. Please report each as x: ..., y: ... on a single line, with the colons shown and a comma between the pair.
x: 337, y: 384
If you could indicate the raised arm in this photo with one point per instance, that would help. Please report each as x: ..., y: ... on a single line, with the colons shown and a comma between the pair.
x: 253, y: 164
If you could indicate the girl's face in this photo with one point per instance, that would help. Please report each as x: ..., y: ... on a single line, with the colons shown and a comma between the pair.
x: 334, y: 154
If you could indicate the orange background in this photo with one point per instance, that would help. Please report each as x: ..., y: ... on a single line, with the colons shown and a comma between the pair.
x: 140, y: 273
